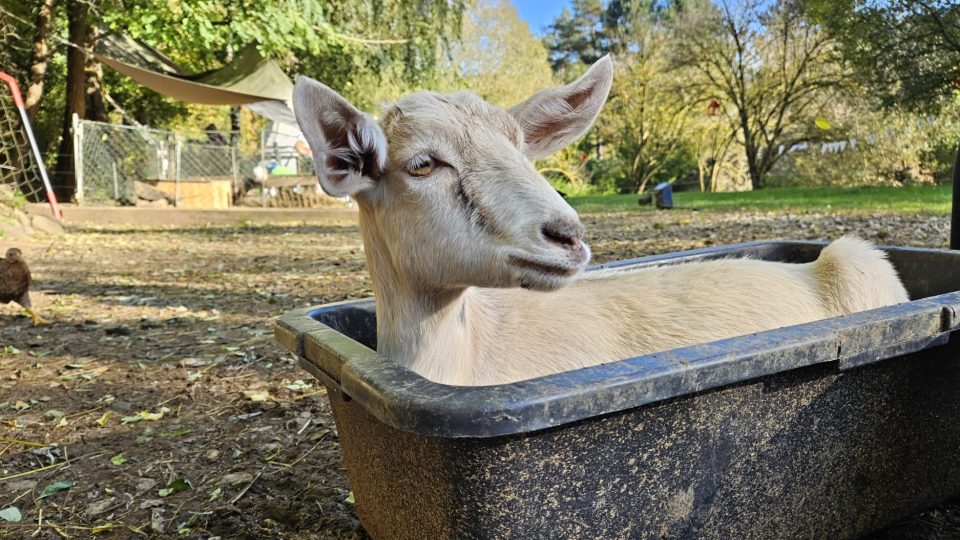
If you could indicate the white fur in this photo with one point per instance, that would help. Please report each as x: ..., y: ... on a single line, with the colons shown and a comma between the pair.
x: 472, y: 290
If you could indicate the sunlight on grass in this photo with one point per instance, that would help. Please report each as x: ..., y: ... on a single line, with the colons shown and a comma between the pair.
x: 914, y: 199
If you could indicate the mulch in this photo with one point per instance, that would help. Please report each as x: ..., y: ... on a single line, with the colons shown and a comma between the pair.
x: 158, y: 404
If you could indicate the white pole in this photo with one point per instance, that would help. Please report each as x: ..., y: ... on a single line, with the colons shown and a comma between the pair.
x: 116, y: 186
x: 236, y: 173
x: 78, y: 157
x: 176, y: 189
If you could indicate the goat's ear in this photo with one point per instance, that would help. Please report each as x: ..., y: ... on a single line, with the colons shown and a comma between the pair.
x: 555, y: 117
x: 349, y: 148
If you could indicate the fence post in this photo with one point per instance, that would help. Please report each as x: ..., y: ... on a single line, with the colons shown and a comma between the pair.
x: 177, y: 148
x: 116, y: 185
x: 955, y: 205
x: 235, y: 188
x: 78, y: 157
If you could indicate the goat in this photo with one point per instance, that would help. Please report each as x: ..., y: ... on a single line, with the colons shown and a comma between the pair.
x: 476, y: 262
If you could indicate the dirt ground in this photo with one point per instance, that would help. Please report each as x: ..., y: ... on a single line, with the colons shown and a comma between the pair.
x: 158, y: 404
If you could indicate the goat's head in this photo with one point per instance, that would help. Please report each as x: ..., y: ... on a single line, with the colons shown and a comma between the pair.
x: 446, y: 184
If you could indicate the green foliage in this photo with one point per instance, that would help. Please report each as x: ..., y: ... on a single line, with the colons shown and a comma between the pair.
x: 893, y: 147
x: 496, y: 56
x: 359, y: 48
x: 905, y: 52
x: 369, y: 50
x: 769, y: 68
x: 578, y: 37
x: 570, y: 171
x: 13, y: 49
x: 647, y: 118
x: 611, y: 175
x: 797, y: 61
x: 11, y: 198
x: 931, y: 199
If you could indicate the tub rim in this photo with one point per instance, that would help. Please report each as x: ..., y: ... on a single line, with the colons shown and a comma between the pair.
x: 406, y: 401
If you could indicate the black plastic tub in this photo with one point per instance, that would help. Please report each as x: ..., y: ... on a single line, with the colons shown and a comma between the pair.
x: 823, y: 430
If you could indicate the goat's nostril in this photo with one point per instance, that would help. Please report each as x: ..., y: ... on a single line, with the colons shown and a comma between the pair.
x: 563, y: 232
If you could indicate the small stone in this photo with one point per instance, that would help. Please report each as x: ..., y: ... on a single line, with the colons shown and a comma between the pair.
x: 122, y: 330
x: 21, y: 485
x: 47, y: 225
x: 145, y: 484
x: 157, y: 523
x: 237, y: 478
x: 94, y: 509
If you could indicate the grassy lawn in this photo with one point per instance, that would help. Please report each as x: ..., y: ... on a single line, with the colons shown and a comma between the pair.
x: 926, y: 199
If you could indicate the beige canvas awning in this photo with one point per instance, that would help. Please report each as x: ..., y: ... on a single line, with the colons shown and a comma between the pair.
x: 249, y: 78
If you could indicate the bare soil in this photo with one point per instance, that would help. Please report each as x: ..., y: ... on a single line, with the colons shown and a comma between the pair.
x: 160, y: 373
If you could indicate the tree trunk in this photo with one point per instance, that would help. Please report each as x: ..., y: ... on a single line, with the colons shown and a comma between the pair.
x: 234, y: 125
x: 41, y: 56
x: 756, y: 178
x: 64, y: 181
x: 93, y: 74
x: 756, y: 175
x: 234, y: 110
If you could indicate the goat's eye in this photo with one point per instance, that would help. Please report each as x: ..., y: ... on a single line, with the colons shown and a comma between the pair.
x: 421, y: 166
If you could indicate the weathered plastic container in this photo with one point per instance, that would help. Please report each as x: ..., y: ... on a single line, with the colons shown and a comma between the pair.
x: 823, y: 430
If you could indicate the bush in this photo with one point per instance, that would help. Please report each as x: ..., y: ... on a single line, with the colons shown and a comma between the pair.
x: 892, y: 148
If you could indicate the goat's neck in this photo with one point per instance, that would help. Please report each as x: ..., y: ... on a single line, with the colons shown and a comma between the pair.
x: 418, y: 327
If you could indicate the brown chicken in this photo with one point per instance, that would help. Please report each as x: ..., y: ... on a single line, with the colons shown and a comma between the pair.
x: 15, y: 283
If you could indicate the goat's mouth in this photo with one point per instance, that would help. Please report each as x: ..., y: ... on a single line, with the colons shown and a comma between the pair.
x: 552, y: 270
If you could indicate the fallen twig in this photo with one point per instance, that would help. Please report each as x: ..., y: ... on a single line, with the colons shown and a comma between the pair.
x: 5, y: 448
x: 81, y: 413
x: 253, y: 340
x: 320, y: 392
x: 301, y: 458
x: 34, y: 471
x: 24, y: 443
x: 244, y: 490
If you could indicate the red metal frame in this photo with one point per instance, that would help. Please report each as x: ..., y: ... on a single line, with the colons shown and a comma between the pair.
x: 18, y: 101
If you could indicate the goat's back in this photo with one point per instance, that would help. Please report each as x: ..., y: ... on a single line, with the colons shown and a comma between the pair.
x: 855, y: 276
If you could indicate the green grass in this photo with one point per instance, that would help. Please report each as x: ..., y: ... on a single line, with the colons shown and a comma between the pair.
x: 924, y: 199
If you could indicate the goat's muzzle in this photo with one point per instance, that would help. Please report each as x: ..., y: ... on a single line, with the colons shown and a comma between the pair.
x: 565, y: 233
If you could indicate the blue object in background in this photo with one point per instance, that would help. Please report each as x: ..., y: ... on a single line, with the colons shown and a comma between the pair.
x: 663, y: 193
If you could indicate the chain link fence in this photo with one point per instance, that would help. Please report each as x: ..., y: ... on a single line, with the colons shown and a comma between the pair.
x: 119, y: 164
x: 113, y: 158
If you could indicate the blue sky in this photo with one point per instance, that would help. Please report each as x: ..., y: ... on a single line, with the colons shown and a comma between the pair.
x: 539, y: 13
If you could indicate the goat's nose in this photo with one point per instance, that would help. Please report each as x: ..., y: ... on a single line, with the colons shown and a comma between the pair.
x: 564, y: 232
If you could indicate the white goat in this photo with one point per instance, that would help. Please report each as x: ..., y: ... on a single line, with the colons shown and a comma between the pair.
x: 458, y: 227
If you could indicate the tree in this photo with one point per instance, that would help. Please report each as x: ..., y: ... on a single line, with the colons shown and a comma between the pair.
x: 78, y: 13
x: 646, y: 119
x: 590, y: 29
x: 496, y: 56
x: 766, y: 66
x: 354, y: 46
x: 905, y: 51
x: 40, y: 57
x: 577, y: 38
x: 367, y: 49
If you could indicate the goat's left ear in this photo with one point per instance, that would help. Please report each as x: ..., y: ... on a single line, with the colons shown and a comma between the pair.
x: 349, y: 148
x: 555, y: 117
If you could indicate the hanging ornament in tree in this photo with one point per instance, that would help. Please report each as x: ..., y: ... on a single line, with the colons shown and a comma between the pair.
x: 713, y: 108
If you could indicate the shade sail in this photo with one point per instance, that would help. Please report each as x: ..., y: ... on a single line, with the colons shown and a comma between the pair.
x: 249, y: 78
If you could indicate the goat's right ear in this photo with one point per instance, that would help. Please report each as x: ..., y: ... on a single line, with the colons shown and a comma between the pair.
x: 349, y: 148
x: 555, y: 117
